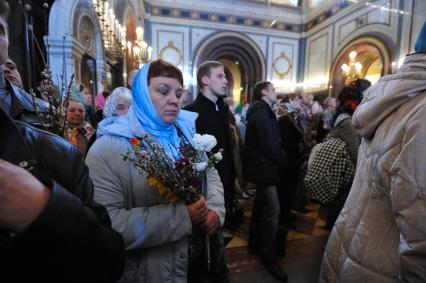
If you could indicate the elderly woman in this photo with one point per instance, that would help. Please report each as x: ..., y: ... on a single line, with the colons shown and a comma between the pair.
x: 155, y: 232
x: 118, y: 103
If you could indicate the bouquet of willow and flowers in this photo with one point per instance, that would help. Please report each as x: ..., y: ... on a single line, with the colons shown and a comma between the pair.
x: 180, y: 179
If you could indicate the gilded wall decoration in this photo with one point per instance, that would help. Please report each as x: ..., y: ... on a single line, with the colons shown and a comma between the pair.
x: 86, y: 34
x: 171, y: 54
x: 282, y: 66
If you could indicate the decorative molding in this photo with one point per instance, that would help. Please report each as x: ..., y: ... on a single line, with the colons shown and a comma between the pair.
x: 219, y: 35
x: 173, y: 41
x: 361, y: 22
x: 215, y: 46
x: 224, y: 19
x: 325, y: 15
x: 86, y: 34
x: 326, y: 35
x: 199, y: 35
x: 278, y: 62
x: 383, y: 18
x: 283, y: 60
x: 166, y: 53
x: 258, y: 22
x: 232, y: 7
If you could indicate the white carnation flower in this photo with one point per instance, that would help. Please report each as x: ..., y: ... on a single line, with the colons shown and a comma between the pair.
x: 218, y: 157
x: 199, y: 167
x: 204, y: 142
x: 209, y: 142
x: 198, y: 144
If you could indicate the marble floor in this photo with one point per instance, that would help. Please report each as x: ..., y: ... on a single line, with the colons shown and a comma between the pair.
x: 304, y: 249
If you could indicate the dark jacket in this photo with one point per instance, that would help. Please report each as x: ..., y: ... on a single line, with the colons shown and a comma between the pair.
x: 71, y: 240
x: 217, y: 123
x: 263, y: 153
x: 292, y: 140
x: 22, y: 106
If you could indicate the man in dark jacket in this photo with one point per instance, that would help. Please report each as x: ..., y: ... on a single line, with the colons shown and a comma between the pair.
x: 50, y: 227
x: 14, y: 100
x: 263, y: 156
x: 294, y: 145
x: 51, y: 230
x: 214, y: 119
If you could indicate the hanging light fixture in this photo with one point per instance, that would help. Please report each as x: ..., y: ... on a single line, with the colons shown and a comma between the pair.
x: 353, y: 69
x: 143, y: 52
x: 113, y: 34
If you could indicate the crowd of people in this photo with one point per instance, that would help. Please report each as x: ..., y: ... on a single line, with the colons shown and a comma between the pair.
x: 72, y: 209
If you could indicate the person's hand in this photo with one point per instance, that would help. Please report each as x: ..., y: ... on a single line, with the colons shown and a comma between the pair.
x: 211, y: 224
x: 197, y: 211
x: 22, y: 197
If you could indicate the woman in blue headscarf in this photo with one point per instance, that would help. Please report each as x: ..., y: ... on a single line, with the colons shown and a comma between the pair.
x: 155, y: 233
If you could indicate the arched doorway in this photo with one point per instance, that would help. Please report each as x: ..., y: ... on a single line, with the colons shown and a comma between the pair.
x: 366, y: 58
x: 88, y: 73
x: 242, y: 58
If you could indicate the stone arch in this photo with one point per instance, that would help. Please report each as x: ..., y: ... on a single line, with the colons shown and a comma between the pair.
x: 66, y: 49
x: 235, y: 47
x: 125, y: 8
x: 371, y: 49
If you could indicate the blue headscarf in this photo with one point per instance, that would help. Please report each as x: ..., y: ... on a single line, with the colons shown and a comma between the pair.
x: 421, y: 40
x: 142, y: 118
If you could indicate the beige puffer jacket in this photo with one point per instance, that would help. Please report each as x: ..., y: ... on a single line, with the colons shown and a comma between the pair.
x: 380, y: 235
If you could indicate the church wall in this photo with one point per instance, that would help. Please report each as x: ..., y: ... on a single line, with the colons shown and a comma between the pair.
x: 187, y: 37
x: 298, y: 48
x: 70, y: 37
x: 393, y: 23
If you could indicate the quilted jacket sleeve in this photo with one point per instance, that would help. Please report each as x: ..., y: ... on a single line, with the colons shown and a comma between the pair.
x: 408, y: 196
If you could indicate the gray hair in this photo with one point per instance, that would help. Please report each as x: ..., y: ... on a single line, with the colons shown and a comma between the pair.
x: 328, y: 100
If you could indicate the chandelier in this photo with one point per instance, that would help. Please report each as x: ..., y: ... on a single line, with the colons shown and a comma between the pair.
x: 352, y: 70
x: 140, y: 51
x: 113, y: 34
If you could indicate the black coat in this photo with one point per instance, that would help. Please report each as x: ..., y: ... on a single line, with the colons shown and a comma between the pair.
x: 263, y: 153
x: 71, y: 240
x: 217, y: 123
x: 292, y: 141
x: 22, y: 106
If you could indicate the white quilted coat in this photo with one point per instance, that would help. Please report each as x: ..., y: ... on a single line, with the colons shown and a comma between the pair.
x: 380, y: 235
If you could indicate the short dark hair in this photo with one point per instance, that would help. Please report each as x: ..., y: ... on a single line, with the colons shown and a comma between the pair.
x: 4, y: 9
x: 81, y: 87
x: 257, y: 90
x: 204, y: 70
x: 161, y: 68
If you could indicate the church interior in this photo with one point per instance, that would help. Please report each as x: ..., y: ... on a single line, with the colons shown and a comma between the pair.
x: 301, y: 46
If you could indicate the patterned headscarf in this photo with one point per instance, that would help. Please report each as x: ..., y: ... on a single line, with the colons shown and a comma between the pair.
x: 111, y: 101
